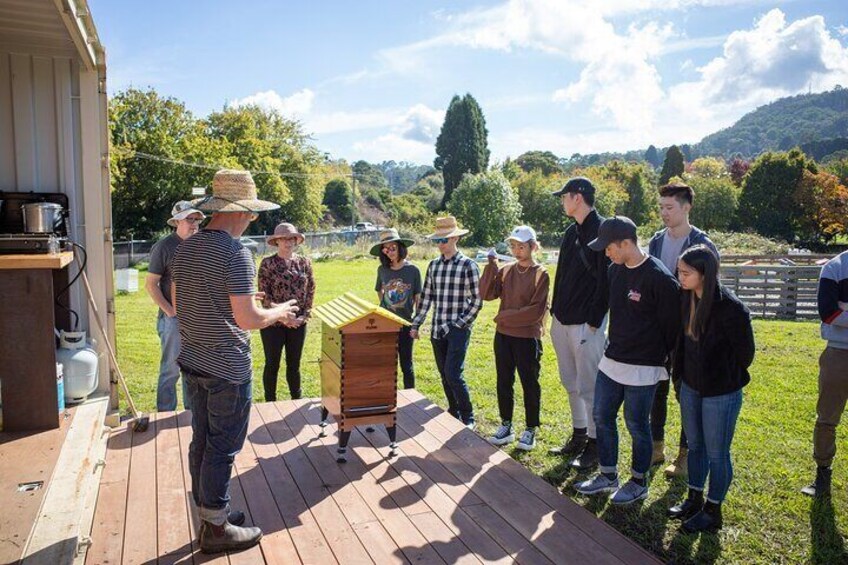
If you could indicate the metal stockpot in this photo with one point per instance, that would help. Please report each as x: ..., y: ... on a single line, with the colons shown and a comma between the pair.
x: 42, y: 217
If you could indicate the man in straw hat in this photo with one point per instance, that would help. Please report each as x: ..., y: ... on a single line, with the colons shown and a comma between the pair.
x: 216, y: 306
x: 186, y: 219
x: 451, y: 287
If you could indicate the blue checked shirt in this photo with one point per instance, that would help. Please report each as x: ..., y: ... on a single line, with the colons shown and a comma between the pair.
x: 452, y: 288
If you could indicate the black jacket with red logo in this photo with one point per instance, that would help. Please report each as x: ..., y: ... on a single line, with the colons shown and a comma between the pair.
x: 644, y: 321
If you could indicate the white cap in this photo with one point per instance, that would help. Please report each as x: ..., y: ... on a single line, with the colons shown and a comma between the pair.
x: 522, y: 234
x: 182, y: 210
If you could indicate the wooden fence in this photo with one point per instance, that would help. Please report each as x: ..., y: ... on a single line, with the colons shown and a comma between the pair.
x: 775, y: 291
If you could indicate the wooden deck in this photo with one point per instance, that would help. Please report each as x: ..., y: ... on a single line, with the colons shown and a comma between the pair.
x: 25, y: 457
x: 448, y: 497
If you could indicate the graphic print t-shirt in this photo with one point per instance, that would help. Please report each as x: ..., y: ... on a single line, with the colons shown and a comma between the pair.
x: 399, y: 288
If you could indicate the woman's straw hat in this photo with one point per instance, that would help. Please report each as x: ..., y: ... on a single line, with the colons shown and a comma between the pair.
x: 447, y: 227
x: 282, y: 230
x: 233, y: 191
x: 388, y: 236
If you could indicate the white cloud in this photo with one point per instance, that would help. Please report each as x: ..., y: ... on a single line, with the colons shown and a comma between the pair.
x: 295, y: 105
x: 772, y: 59
x: 842, y: 30
x: 412, y: 137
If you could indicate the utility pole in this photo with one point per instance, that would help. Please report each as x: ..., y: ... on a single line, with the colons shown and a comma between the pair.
x: 353, y: 200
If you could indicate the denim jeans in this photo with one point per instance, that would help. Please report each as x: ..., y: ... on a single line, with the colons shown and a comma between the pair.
x: 169, y: 372
x: 405, y: 357
x: 710, y: 423
x: 220, y: 414
x: 637, y: 400
x: 450, y: 361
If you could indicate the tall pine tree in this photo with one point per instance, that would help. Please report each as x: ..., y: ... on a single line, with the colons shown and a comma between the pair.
x: 462, y: 145
x: 673, y: 166
x: 652, y: 156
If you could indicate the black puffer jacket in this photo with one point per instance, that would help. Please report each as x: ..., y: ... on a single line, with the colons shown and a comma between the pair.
x: 724, y: 352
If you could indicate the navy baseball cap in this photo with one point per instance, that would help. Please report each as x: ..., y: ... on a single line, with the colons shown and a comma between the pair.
x: 580, y: 185
x: 612, y: 230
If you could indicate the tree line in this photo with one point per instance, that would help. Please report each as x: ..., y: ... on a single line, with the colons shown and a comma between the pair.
x: 159, y: 150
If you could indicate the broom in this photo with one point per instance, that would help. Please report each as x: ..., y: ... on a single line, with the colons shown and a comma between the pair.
x: 141, y: 420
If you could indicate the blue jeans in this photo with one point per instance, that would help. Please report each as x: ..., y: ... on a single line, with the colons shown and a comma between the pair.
x: 220, y: 414
x: 450, y: 361
x: 166, y: 391
x: 710, y: 423
x: 637, y: 400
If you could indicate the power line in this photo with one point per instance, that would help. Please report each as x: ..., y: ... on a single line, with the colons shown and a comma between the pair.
x: 149, y: 157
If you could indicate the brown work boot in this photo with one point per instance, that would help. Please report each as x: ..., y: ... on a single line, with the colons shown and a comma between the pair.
x: 658, y: 455
x: 215, y: 539
x: 680, y: 466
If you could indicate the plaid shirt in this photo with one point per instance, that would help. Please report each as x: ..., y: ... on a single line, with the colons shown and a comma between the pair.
x: 451, y: 285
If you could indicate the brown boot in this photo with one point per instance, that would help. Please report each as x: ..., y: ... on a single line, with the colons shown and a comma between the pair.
x: 680, y: 466
x: 215, y: 539
x: 658, y: 455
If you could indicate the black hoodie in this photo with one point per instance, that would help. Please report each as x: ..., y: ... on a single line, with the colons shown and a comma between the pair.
x: 580, y: 287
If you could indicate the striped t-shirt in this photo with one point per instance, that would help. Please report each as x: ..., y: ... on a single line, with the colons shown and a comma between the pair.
x: 209, y: 267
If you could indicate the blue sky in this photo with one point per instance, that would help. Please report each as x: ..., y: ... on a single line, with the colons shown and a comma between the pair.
x: 371, y: 80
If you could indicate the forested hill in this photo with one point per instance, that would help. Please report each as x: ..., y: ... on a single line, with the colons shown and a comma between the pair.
x: 781, y: 125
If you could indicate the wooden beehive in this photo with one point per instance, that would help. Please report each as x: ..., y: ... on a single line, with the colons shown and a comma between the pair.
x: 358, y: 365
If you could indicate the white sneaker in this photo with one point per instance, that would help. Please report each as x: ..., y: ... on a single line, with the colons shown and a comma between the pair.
x: 598, y: 484
x: 471, y: 426
x: 527, y: 440
x: 504, y: 435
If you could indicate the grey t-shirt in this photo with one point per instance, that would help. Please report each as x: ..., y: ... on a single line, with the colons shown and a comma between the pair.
x: 399, y: 289
x: 671, y: 249
x: 161, y: 256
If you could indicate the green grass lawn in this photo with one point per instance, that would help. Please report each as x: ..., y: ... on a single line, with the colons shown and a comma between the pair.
x: 766, y: 519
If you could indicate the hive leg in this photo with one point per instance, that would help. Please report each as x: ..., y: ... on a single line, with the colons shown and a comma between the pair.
x: 323, y: 424
x: 392, y: 431
x: 341, y: 452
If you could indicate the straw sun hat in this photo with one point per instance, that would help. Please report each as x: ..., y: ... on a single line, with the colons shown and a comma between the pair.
x: 447, y: 227
x: 233, y: 191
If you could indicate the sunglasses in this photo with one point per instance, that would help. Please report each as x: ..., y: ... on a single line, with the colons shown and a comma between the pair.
x: 193, y: 220
x: 440, y: 240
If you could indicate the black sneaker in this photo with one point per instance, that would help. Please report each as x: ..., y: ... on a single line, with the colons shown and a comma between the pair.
x: 575, y: 444
x: 821, y: 486
x: 588, y: 459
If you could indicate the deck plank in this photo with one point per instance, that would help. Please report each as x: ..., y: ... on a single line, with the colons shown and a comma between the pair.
x: 107, y: 532
x: 140, y: 532
x: 239, y: 500
x: 448, y: 497
x: 174, y: 537
x: 184, y: 434
x: 25, y: 457
x: 276, y: 543
x: 529, y: 514
x: 592, y: 537
x: 364, y: 469
x: 305, y: 532
x: 337, y: 531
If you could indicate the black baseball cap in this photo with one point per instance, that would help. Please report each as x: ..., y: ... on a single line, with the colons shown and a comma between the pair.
x: 580, y: 185
x: 611, y: 230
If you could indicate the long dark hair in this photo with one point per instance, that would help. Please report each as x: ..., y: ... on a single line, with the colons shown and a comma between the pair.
x: 702, y: 259
x: 402, y: 252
